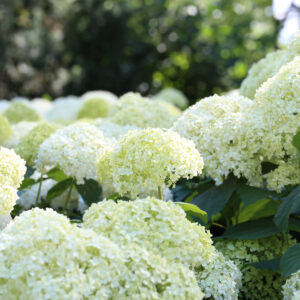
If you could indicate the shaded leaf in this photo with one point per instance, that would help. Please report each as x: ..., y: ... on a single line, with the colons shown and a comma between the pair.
x: 26, y: 183
x: 214, y: 199
x: 289, y: 205
x: 58, y: 189
x: 270, y: 265
x: 252, y: 230
x: 29, y: 171
x: 250, y: 195
x: 90, y: 191
x: 296, y: 141
x: 57, y: 174
x: 290, y: 261
x: 192, y: 211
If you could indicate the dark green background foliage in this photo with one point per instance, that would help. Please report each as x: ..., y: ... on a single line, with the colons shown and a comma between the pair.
x: 64, y: 47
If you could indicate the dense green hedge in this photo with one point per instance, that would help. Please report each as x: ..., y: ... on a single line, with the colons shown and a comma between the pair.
x: 64, y: 46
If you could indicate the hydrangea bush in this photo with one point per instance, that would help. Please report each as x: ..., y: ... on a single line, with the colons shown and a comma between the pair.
x: 132, y: 198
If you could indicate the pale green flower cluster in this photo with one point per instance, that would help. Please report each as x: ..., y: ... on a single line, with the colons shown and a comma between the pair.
x: 267, y: 67
x: 18, y: 131
x: 133, y: 109
x: 97, y: 104
x: 5, y: 129
x: 161, y: 227
x: 19, y: 111
x: 29, y: 144
x: 173, y: 96
x: 12, y: 170
x: 43, y: 256
x: 272, y: 122
x: 265, y: 283
x: 75, y: 149
x: 213, y: 124
x: 113, y: 130
x: 291, y: 288
x: 145, y: 160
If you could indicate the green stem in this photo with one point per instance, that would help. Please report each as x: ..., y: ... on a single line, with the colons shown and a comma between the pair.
x: 39, y: 191
x: 68, y: 198
x: 159, y: 193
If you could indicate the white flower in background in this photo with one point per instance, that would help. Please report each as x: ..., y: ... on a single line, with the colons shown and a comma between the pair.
x: 174, y: 96
x: 75, y: 149
x: 41, y: 106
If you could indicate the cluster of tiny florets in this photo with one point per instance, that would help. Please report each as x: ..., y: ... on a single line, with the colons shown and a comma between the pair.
x: 19, y: 111
x: 145, y: 160
x: 12, y: 170
x: 75, y: 149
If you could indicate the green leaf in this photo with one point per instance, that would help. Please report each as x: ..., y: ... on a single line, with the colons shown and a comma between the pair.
x: 260, y: 209
x: 232, y: 207
x: 90, y: 191
x: 269, y: 265
x: 214, y: 199
x: 290, y: 261
x: 296, y: 141
x: 252, y: 230
x: 192, y: 211
x: 29, y: 171
x: 57, y: 174
x: 267, y: 167
x: 59, y: 188
x: 181, y: 192
x: 294, y: 224
x: 289, y: 205
x: 26, y: 183
x: 250, y: 195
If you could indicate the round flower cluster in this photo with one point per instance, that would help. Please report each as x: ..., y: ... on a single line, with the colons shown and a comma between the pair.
x: 291, y: 288
x: 268, y: 67
x: 272, y: 122
x: 19, y: 111
x: 75, y: 149
x: 173, y: 96
x: 29, y: 144
x: 146, y: 160
x: 5, y: 129
x: 265, y: 283
x: 64, y: 110
x: 113, y: 130
x: 161, y: 227
x: 213, y: 124
x: 97, y: 104
x: 18, y: 131
x: 43, y: 256
x: 133, y: 109
x: 12, y: 170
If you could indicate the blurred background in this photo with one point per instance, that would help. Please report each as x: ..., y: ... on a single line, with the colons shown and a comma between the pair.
x: 60, y: 47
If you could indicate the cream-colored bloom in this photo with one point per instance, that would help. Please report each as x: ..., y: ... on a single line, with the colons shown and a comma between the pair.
x: 173, y: 96
x: 133, y: 109
x: 20, y: 111
x: 5, y: 130
x: 75, y: 149
x: 144, y: 160
x: 43, y: 256
x: 266, y: 284
x: 291, y: 288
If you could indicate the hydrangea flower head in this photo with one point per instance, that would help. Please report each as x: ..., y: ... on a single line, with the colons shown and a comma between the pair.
x: 133, y: 109
x: 19, y: 111
x: 74, y: 149
x: 5, y: 129
x: 173, y: 96
x: 29, y: 144
x: 144, y: 160
x: 266, y: 284
x: 97, y: 104
x: 213, y: 124
x: 161, y: 227
x: 291, y: 288
x: 43, y: 256
x: 12, y: 170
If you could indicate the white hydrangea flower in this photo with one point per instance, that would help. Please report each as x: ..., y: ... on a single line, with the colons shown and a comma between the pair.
x: 41, y: 106
x: 12, y: 170
x: 214, y: 125
x: 43, y: 256
x: 146, y: 160
x: 173, y: 96
x: 291, y: 288
x: 64, y: 110
x: 75, y: 149
x: 19, y: 130
x: 135, y: 110
x: 162, y: 228
x: 4, y: 221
